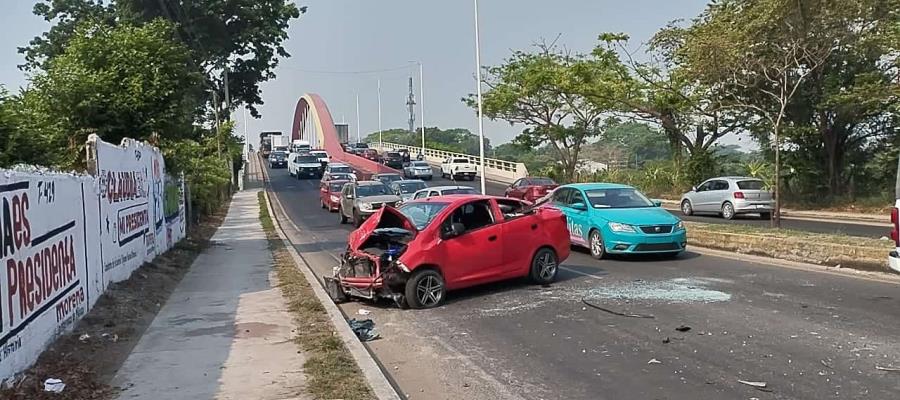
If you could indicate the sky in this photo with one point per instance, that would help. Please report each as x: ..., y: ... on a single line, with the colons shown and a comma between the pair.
x: 338, y: 37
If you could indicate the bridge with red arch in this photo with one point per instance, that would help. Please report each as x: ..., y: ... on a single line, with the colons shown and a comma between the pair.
x: 313, y: 122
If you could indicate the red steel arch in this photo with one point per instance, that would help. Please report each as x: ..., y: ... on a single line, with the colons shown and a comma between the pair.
x: 312, y: 105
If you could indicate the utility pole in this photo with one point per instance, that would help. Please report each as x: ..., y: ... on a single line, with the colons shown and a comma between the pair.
x: 227, y: 96
x: 216, y: 112
x: 411, y: 106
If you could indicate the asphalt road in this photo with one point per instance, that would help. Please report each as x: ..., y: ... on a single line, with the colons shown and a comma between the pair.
x: 809, y: 225
x: 806, y: 334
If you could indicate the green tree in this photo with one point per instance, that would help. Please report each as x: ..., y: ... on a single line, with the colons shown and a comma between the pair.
x: 544, y: 91
x: 457, y: 140
x: 244, y: 37
x: 809, y: 74
x: 116, y: 82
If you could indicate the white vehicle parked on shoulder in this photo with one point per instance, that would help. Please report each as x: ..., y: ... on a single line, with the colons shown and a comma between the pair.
x: 458, y: 167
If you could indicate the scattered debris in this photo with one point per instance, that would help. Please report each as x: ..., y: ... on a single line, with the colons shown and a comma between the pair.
x: 888, y: 368
x: 622, y: 314
x: 654, y: 361
x: 364, y: 329
x: 758, y: 385
x: 826, y: 364
x: 54, y: 385
x: 667, y: 340
x: 84, y: 337
x: 363, y: 311
x: 679, y: 290
x: 111, y: 337
x: 683, y: 328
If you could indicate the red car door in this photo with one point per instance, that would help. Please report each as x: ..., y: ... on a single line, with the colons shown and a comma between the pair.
x: 475, y: 256
x: 522, y: 236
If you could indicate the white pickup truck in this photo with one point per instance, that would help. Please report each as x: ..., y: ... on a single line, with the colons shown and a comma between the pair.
x: 894, y: 256
x: 458, y: 167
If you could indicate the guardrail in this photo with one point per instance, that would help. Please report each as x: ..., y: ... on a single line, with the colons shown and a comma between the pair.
x: 499, y: 170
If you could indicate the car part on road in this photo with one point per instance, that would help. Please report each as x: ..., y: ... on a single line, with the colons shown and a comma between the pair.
x: 364, y: 329
x: 613, y: 312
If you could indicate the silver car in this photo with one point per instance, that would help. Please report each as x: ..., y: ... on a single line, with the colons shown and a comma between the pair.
x: 359, y: 200
x: 729, y: 196
x: 407, y: 188
x: 444, y: 191
x: 418, y: 170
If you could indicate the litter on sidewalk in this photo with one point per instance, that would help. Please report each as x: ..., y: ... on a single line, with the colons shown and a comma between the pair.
x: 54, y: 385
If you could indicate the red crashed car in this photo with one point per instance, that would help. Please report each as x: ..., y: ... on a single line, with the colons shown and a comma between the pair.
x: 330, y: 194
x: 416, y: 253
x: 531, y: 189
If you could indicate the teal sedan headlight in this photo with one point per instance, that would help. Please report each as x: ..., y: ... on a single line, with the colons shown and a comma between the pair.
x: 679, y: 226
x: 617, y: 227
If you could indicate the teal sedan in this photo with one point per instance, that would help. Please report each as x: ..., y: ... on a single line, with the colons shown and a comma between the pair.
x: 610, y: 218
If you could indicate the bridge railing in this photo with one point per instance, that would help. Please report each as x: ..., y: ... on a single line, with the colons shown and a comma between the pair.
x: 495, y: 169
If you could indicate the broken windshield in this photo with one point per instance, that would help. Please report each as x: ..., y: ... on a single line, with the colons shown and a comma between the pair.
x: 421, y: 214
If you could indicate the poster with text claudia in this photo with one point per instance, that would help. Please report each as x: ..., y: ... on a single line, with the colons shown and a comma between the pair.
x: 127, y: 203
x: 46, y: 280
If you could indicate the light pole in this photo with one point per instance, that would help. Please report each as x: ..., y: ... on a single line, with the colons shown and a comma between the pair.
x: 380, y: 139
x: 421, y: 103
x: 478, y: 91
x: 357, y: 119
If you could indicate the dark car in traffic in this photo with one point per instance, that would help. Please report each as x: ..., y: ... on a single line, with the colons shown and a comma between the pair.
x: 393, y: 159
x: 277, y: 159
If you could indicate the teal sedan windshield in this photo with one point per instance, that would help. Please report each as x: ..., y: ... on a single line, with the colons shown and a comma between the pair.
x: 617, y: 198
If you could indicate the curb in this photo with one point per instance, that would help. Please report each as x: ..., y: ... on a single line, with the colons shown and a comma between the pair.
x: 377, y: 380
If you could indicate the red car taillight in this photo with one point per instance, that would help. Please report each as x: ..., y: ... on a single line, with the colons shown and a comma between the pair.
x: 895, y: 230
x: 739, y: 195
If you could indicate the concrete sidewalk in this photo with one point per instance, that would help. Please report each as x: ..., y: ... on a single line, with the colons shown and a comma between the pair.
x: 225, y: 332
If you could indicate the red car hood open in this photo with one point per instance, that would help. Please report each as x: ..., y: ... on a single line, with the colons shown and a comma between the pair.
x: 385, y: 218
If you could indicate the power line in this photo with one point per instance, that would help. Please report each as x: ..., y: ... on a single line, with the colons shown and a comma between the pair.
x: 370, y: 71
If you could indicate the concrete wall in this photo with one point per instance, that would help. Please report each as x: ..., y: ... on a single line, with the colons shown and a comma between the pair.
x: 66, y: 237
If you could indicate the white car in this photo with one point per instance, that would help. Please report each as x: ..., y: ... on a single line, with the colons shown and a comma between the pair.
x: 322, y: 155
x: 443, y: 191
x: 304, y: 165
x: 458, y: 167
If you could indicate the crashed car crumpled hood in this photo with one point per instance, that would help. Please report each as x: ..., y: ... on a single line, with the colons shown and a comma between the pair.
x: 384, y: 218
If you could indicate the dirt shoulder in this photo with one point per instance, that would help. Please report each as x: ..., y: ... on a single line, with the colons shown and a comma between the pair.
x: 815, y: 248
x: 87, y: 358
x: 330, y: 369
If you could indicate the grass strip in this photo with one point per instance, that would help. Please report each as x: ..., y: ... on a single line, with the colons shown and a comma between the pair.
x: 330, y: 369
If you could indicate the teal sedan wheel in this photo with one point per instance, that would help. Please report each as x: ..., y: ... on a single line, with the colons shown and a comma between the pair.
x: 598, y: 250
